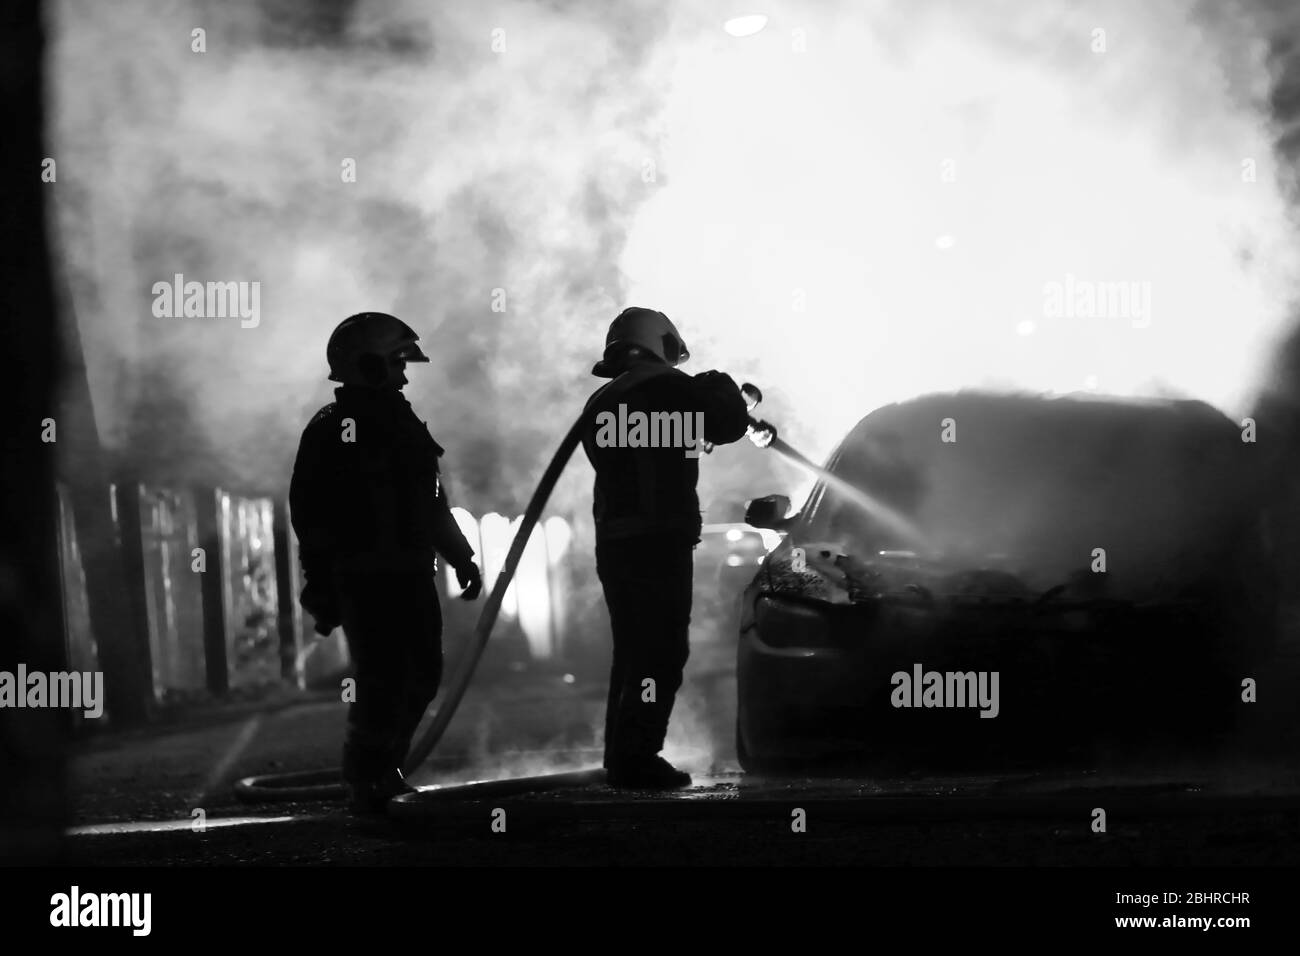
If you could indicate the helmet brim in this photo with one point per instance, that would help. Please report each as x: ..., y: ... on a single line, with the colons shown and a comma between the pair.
x: 411, y: 353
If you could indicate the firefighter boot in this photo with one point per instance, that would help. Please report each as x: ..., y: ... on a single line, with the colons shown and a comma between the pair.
x: 372, y: 796
x: 646, y: 773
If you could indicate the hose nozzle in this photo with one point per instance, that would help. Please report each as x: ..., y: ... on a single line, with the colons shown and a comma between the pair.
x: 761, y: 433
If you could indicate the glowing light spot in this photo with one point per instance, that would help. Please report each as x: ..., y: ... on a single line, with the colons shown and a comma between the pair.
x: 173, y: 826
x: 734, y: 560
x: 745, y: 26
x: 569, y: 678
x: 734, y: 534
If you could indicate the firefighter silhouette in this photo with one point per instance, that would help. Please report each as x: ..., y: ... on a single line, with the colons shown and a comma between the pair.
x: 371, y: 516
x: 647, y: 516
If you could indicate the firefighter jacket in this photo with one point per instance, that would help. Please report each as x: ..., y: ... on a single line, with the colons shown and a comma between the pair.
x: 366, y: 493
x: 646, y: 485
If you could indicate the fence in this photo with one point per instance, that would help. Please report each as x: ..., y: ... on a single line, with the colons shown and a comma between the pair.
x: 214, y: 577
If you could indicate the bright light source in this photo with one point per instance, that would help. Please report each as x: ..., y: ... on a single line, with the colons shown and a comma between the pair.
x: 734, y: 534
x: 745, y: 26
x: 569, y: 678
x: 734, y: 124
x: 734, y: 560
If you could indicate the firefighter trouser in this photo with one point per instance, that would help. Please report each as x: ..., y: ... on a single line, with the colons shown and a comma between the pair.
x: 647, y: 584
x: 393, y: 625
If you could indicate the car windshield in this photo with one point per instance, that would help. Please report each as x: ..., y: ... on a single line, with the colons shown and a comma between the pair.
x: 867, y: 503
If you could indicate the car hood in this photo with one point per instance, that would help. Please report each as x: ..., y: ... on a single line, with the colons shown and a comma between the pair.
x: 823, y: 571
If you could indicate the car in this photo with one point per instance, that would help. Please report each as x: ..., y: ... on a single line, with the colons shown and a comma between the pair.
x: 987, y: 575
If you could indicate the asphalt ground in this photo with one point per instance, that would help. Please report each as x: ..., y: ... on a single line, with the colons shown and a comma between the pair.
x: 930, y: 822
x: 165, y: 796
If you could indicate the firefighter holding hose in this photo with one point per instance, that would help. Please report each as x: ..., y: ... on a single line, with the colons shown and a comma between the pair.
x: 370, y: 514
x: 647, y: 517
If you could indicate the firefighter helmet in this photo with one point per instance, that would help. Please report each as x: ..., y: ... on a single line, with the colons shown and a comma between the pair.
x: 641, y: 331
x: 360, y: 348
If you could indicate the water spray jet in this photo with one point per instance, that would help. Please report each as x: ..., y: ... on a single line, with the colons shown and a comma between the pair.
x: 764, y: 435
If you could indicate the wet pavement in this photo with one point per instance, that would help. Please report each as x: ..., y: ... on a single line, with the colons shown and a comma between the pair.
x: 166, y: 796
x: 730, y: 821
x: 731, y: 818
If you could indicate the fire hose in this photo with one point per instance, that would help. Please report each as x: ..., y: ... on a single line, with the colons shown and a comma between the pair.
x: 327, y: 784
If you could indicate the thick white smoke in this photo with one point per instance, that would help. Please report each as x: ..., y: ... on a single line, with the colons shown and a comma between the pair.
x: 497, y: 151
x: 858, y: 204
x: 866, y: 202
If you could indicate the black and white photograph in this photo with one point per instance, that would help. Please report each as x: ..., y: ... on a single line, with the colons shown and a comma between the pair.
x: 851, y: 443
